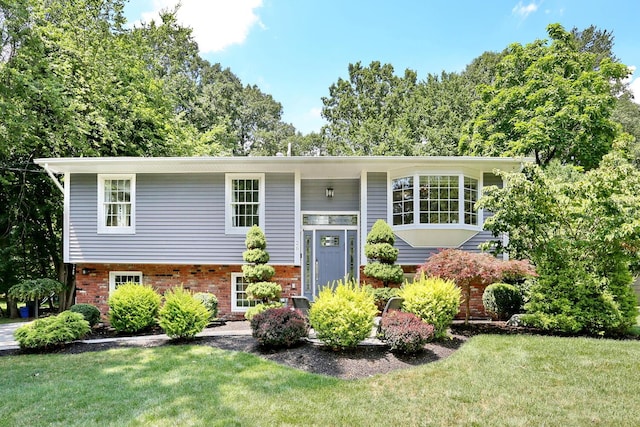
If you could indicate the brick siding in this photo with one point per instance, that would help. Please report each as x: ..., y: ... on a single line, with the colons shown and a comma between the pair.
x: 93, y: 288
x: 476, y: 308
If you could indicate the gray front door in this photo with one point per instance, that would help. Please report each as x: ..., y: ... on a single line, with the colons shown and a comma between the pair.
x: 330, y: 255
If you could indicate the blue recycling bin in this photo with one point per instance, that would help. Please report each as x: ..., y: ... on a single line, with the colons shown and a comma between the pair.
x: 24, y: 312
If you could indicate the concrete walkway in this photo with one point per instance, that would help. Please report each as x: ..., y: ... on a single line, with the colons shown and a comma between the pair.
x: 231, y: 328
x: 7, y: 342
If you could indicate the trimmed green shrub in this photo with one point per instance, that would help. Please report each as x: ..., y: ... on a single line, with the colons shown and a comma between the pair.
x: 264, y: 291
x: 405, y: 332
x: 259, y: 308
x: 256, y: 256
x: 381, y: 232
x: 52, y: 331
x: 382, y: 252
x: 502, y: 300
x: 210, y: 302
x: 90, y: 312
x: 182, y: 316
x: 342, y: 317
x: 133, y: 307
x: 434, y: 300
x: 279, y: 327
x: 387, y: 273
x: 255, y: 238
x: 258, y: 272
x: 382, y: 255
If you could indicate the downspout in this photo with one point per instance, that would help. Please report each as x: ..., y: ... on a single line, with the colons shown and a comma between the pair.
x: 53, y: 177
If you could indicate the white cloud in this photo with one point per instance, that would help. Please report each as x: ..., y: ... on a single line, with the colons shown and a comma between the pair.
x: 634, y: 87
x: 524, y: 10
x: 315, y: 112
x: 633, y: 84
x: 216, y: 24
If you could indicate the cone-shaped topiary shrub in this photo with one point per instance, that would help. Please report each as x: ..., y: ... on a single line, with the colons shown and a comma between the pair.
x: 259, y: 274
x: 382, y: 255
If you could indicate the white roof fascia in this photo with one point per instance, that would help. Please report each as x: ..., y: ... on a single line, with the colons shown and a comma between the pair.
x: 309, y: 167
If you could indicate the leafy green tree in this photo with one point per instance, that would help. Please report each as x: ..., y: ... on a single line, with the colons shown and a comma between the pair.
x: 73, y: 82
x: 364, y: 112
x: 440, y: 111
x: 582, y: 231
x: 549, y: 100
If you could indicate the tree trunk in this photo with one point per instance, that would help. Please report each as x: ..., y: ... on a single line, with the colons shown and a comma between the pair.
x: 12, y: 307
x: 467, y: 304
x: 68, y: 278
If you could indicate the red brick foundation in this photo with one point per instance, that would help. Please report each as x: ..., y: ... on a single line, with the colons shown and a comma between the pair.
x: 93, y: 288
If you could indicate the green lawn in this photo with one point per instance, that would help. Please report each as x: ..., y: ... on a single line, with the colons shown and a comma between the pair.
x: 492, y: 380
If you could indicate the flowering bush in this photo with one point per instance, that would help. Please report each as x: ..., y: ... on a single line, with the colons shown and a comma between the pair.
x: 405, y: 332
x: 279, y: 327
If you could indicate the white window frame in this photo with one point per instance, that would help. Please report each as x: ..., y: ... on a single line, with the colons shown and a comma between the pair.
x: 102, y: 226
x: 416, y: 202
x: 229, y: 178
x: 234, y: 294
x: 114, y: 274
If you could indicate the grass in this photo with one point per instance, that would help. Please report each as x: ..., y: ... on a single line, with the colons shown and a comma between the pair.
x: 491, y: 380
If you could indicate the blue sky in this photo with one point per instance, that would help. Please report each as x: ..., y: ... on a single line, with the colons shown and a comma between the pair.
x: 295, y: 49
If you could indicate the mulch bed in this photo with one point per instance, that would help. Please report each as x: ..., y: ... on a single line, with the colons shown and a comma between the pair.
x: 361, y: 362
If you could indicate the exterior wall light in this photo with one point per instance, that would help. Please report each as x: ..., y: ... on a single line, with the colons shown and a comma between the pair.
x: 329, y: 192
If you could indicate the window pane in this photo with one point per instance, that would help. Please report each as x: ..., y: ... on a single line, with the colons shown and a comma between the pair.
x: 470, y: 199
x: 117, y: 202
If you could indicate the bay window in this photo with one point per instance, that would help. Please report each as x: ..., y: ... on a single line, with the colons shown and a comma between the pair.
x: 434, y: 199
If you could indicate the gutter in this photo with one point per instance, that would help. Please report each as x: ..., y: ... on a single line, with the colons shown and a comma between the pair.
x: 53, y: 177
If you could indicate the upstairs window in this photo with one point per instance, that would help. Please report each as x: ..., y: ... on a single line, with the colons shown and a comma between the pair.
x: 434, y: 199
x: 116, y: 204
x: 245, y: 202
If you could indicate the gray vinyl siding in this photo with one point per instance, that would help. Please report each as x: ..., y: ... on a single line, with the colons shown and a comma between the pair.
x: 377, y: 208
x: 346, y: 195
x: 180, y: 219
x: 376, y: 198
